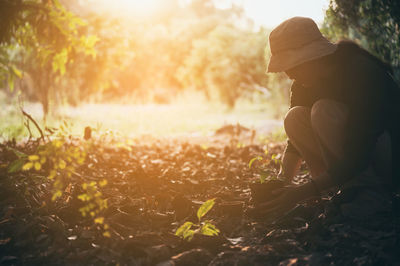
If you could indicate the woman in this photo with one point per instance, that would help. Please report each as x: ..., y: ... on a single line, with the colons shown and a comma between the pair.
x: 343, y: 117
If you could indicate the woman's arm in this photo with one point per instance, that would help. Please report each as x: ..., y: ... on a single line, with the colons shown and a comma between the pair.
x: 291, y: 160
x: 290, y: 164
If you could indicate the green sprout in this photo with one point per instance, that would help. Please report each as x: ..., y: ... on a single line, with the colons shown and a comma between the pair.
x: 189, y: 229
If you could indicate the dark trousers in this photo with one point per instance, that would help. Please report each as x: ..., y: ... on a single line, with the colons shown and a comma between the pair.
x: 318, y: 134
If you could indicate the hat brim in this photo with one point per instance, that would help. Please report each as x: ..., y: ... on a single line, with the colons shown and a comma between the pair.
x: 290, y: 58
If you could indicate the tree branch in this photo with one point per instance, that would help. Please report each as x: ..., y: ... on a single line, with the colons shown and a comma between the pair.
x: 34, y: 122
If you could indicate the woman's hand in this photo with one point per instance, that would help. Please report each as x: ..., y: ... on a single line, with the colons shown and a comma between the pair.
x: 287, y: 198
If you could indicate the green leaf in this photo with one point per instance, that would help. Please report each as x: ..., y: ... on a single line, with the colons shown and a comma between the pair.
x: 189, y: 234
x: 11, y: 82
x: 16, y: 165
x: 33, y: 157
x: 62, y: 164
x: 209, y: 229
x: 274, y: 158
x: 59, y: 61
x: 206, y: 207
x: 183, y: 229
x: 263, y: 177
x: 37, y: 166
x: 56, y: 195
x: 259, y: 158
x: 99, y: 220
x: 91, y: 40
x: 27, y: 166
x: 17, y: 152
x: 17, y: 72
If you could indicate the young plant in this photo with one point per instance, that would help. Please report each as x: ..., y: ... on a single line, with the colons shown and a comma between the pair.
x: 94, y: 203
x: 59, y: 158
x: 265, y: 164
x: 189, y: 229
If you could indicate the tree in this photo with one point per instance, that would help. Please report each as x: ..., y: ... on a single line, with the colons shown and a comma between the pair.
x: 374, y: 23
x: 71, y: 58
x: 226, y: 62
x: 42, y: 38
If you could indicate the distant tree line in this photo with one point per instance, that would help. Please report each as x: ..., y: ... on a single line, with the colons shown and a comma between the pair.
x: 72, y: 57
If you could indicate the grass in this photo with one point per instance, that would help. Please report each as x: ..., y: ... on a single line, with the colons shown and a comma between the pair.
x: 189, y: 115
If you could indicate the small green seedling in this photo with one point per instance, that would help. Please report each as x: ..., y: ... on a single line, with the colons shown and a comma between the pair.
x: 265, y: 163
x: 189, y: 229
x: 258, y: 158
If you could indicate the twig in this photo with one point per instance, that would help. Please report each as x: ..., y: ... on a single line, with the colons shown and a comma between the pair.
x: 34, y: 122
x: 26, y: 124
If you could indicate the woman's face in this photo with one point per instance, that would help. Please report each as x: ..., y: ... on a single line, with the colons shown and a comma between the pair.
x: 306, y: 73
x: 313, y: 72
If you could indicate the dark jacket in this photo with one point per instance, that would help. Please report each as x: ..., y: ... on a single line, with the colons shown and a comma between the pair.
x: 365, y: 85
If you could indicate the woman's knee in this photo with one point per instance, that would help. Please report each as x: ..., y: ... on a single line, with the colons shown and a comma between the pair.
x: 295, y: 119
x: 318, y: 111
x: 328, y: 122
x: 326, y: 112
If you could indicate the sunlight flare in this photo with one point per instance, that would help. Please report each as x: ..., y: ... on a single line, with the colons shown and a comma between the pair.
x: 135, y: 8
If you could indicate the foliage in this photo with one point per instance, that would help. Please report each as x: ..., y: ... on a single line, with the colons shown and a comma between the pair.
x: 374, y: 23
x: 43, y: 39
x: 206, y: 228
x: 67, y: 58
x: 91, y: 75
x: 265, y: 164
x: 226, y: 62
x: 258, y: 158
x: 60, y: 158
x: 95, y: 203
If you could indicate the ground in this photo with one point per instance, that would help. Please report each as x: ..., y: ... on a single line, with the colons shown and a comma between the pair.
x: 155, y: 185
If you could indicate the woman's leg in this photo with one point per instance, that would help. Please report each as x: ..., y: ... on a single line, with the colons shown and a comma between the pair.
x: 328, y: 122
x: 318, y: 134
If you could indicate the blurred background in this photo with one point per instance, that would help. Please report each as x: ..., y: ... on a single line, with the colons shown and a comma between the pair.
x: 163, y: 67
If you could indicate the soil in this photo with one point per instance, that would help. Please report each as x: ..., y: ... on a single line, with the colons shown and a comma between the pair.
x: 157, y: 185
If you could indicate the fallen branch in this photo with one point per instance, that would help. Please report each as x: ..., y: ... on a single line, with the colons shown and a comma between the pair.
x: 34, y: 122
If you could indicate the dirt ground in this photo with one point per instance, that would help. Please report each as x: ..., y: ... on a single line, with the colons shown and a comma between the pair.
x: 157, y: 185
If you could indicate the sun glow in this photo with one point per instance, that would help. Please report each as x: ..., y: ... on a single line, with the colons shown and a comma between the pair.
x: 131, y: 8
x: 268, y: 13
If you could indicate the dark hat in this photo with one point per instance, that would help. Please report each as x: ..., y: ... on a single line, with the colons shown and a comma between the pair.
x: 295, y: 41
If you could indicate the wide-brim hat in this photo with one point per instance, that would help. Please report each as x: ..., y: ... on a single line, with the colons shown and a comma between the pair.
x: 296, y: 41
